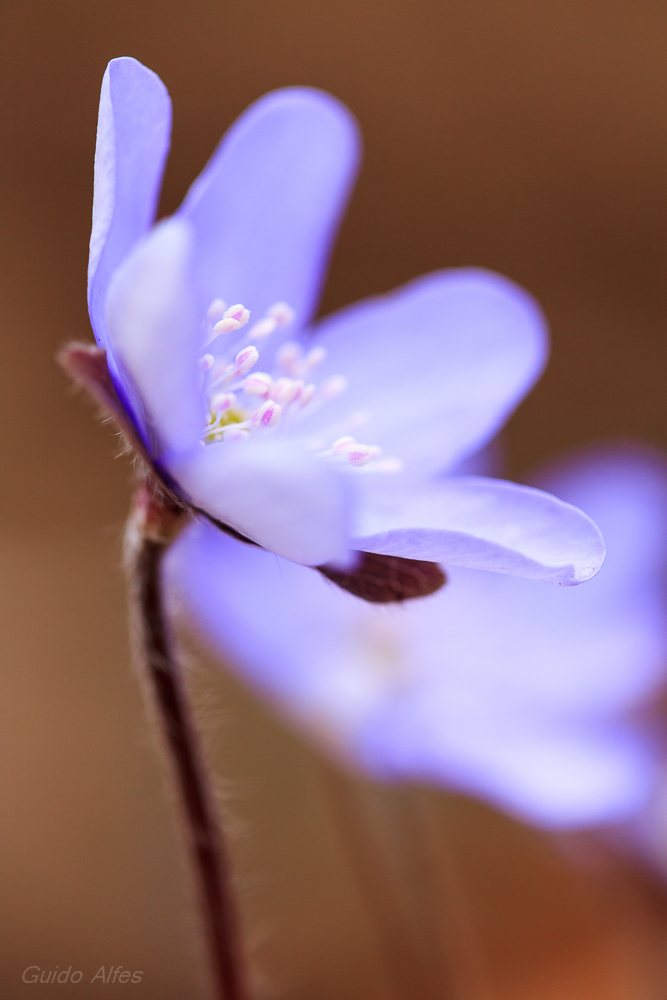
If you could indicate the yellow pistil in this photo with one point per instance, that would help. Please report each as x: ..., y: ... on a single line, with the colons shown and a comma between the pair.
x: 217, y: 422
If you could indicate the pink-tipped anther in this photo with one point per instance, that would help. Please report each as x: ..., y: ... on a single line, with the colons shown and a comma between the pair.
x: 216, y: 310
x: 341, y: 446
x: 263, y: 328
x: 222, y: 401
x: 307, y: 394
x: 258, y: 384
x: 289, y: 357
x: 361, y: 454
x: 238, y: 313
x: 268, y: 414
x: 206, y: 362
x: 225, y: 325
x: 282, y: 390
x: 315, y: 357
x: 281, y: 313
x: 296, y: 390
x: 235, y: 433
x: 246, y: 358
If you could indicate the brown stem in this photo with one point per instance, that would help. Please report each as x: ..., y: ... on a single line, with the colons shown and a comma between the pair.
x: 153, y: 525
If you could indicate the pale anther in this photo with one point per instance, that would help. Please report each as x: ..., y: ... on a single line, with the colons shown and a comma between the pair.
x: 289, y: 357
x: 238, y: 313
x: 216, y: 310
x: 235, y: 433
x: 222, y: 401
x: 361, y: 454
x: 226, y: 325
x: 307, y: 394
x: 283, y: 390
x: 263, y: 328
x: 298, y: 385
x: 342, y: 444
x: 268, y: 414
x: 246, y: 358
x: 258, y: 384
x: 316, y: 356
x: 206, y: 362
x: 281, y: 313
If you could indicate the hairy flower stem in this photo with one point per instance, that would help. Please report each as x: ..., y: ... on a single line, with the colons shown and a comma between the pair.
x: 153, y: 524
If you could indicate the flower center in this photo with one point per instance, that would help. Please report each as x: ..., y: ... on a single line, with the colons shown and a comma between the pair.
x: 243, y: 401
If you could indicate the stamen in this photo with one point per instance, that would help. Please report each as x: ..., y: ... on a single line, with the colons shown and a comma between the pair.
x: 226, y: 325
x: 216, y: 310
x: 283, y: 390
x: 222, y: 401
x: 232, y: 319
x: 235, y: 432
x: 340, y: 446
x: 246, y: 358
x: 281, y: 313
x: 258, y: 384
x: 361, y: 454
x: 307, y: 394
x: 298, y: 386
x: 289, y: 357
x: 355, y: 453
x: 268, y: 414
x: 287, y: 394
x: 238, y: 313
x: 262, y: 328
x: 315, y: 357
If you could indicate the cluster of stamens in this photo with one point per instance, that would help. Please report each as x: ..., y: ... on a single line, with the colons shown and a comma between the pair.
x: 242, y: 400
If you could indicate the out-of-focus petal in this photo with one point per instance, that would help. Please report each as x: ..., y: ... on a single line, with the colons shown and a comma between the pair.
x: 266, y: 207
x: 522, y: 693
x: 482, y: 524
x: 132, y: 143
x: 274, y: 493
x: 155, y: 338
x: 289, y: 632
x: 437, y: 366
x: 554, y: 776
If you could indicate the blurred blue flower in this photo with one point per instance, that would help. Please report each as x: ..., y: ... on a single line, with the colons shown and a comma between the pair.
x: 525, y: 695
x: 225, y: 395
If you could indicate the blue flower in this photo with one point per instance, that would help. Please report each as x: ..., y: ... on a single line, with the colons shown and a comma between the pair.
x: 525, y: 695
x: 311, y: 441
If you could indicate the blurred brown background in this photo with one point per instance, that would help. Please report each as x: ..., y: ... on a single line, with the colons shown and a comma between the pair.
x: 526, y: 137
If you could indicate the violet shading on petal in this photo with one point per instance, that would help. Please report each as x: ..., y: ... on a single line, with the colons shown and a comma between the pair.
x: 132, y: 143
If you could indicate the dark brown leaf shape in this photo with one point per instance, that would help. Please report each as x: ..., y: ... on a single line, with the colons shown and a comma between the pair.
x: 388, y: 579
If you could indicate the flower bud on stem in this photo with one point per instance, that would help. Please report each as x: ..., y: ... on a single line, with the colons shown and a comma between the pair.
x: 155, y: 521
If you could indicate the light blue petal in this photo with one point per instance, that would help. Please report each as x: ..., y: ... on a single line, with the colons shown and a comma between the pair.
x: 482, y: 524
x: 132, y: 143
x: 156, y: 340
x: 436, y: 366
x: 288, y: 631
x: 266, y: 207
x: 272, y: 492
x: 495, y: 685
x: 556, y: 777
